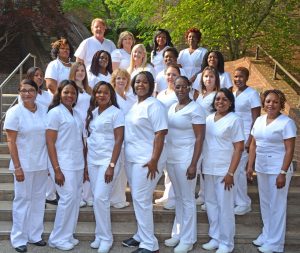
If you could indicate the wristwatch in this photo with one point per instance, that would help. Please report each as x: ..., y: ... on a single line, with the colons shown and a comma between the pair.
x: 283, y: 172
x: 112, y: 165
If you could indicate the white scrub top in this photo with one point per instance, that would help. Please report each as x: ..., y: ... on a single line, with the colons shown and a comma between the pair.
x: 158, y: 60
x: 126, y: 104
x: 44, y: 99
x: 122, y: 57
x: 90, y: 46
x: 93, y: 80
x: 69, y: 144
x: 148, y: 68
x: 167, y: 99
x: 161, y: 81
x: 218, y: 143
x: 225, y: 81
x: 244, y: 102
x: 102, y: 140
x: 31, y: 141
x: 57, y: 71
x: 181, y: 136
x: 270, y: 149
x: 206, y: 102
x: 82, y: 105
x: 191, y: 63
x: 142, y: 121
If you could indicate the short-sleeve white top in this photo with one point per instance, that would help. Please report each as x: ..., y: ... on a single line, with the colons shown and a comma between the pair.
x: 90, y: 46
x: 161, y: 82
x: 218, y: 143
x: 158, y: 60
x: 191, y: 63
x: 244, y: 102
x: 167, y: 99
x: 181, y: 136
x: 31, y: 141
x: 69, y: 144
x: 122, y: 57
x: 57, y: 71
x: 93, y: 80
x: 206, y: 102
x: 225, y: 81
x: 270, y: 149
x: 142, y: 121
x: 126, y: 104
x: 102, y: 140
x: 82, y: 105
x: 148, y: 68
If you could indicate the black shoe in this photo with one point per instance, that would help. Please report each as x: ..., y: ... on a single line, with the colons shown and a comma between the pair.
x: 52, y: 202
x: 141, y: 250
x: 22, y: 248
x: 131, y: 242
x: 40, y: 243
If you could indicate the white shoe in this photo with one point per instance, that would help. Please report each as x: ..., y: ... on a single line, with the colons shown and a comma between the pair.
x: 169, y: 206
x: 66, y: 246
x: 162, y: 200
x: 199, y: 201
x: 90, y: 203
x: 121, y: 205
x: 203, y: 207
x: 95, y: 244
x: 183, y: 248
x: 241, y: 210
x: 172, y: 242
x: 264, y: 250
x: 74, y: 241
x: 222, y: 250
x: 212, y: 244
x: 257, y: 243
x: 82, y: 203
x: 104, y: 249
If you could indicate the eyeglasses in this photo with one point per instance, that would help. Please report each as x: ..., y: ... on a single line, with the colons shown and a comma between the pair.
x: 30, y: 91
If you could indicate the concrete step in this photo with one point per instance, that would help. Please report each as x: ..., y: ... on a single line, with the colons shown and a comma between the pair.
x: 8, y: 98
x: 4, y: 160
x: 4, y: 148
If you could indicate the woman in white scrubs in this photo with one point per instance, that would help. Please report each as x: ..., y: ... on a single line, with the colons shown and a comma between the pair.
x: 191, y: 58
x: 138, y: 61
x: 161, y: 41
x: 121, y: 56
x: 145, y: 129
x: 247, y: 107
x: 210, y: 85
x: 120, y: 80
x: 222, y: 150
x: 79, y: 76
x: 101, y: 68
x: 65, y: 148
x: 59, y: 69
x: 271, y: 153
x: 105, y: 131
x: 186, y: 130
x: 213, y: 59
x: 25, y: 125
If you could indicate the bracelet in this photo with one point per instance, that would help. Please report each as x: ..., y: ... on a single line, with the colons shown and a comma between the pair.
x: 230, y: 173
x: 57, y: 167
x: 283, y: 172
x: 18, y: 168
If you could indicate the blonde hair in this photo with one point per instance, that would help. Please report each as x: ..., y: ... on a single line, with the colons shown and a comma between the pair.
x: 98, y: 20
x: 122, y: 36
x: 144, y: 62
x: 121, y: 73
x: 72, y: 76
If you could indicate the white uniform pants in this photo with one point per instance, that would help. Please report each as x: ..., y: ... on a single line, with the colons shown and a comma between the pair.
x: 50, y: 190
x: 220, y: 211
x: 273, y: 203
x: 29, y: 208
x: 68, y: 207
x: 169, y: 190
x: 241, y: 197
x: 86, y: 192
x: 102, y: 192
x: 119, y: 188
x: 142, y: 195
x: 185, y: 223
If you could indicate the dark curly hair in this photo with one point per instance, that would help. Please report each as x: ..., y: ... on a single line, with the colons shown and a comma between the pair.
x: 227, y: 94
x: 95, y: 66
x: 56, y: 46
x: 279, y: 93
x: 168, y: 39
x: 220, y: 57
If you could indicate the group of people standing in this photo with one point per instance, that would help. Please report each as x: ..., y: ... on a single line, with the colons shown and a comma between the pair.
x: 110, y: 117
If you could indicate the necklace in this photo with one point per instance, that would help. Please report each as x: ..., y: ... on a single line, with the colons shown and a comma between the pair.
x: 181, y: 106
x: 65, y: 63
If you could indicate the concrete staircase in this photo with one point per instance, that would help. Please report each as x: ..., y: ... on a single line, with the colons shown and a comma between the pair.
x: 124, y: 224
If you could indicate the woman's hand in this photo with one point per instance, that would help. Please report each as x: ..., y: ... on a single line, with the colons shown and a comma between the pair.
x: 228, y: 182
x: 191, y: 172
x: 152, y: 167
x: 86, y: 174
x: 280, y: 181
x: 250, y: 174
x: 59, y: 178
x: 109, y: 174
x: 19, y: 174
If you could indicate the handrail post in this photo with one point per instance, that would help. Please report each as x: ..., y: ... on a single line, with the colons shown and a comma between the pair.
x: 274, y: 72
x: 256, y: 53
x: 34, y: 61
x: 21, y: 73
x: 1, y: 123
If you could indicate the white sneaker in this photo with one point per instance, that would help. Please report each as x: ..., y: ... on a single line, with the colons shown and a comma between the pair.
x: 257, y: 243
x: 183, y: 248
x: 203, y: 207
x: 212, y: 244
x: 162, y: 200
x: 241, y: 210
x: 95, y: 244
x: 74, y: 241
x: 172, y: 242
x: 90, y: 203
x: 169, y: 206
x: 264, y: 250
x: 121, y: 205
x: 82, y: 203
x: 66, y: 246
x: 104, y: 248
x: 199, y: 201
x: 222, y: 250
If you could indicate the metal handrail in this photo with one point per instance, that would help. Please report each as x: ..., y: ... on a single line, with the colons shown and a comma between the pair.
x: 277, y: 64
x: 18, y: 68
